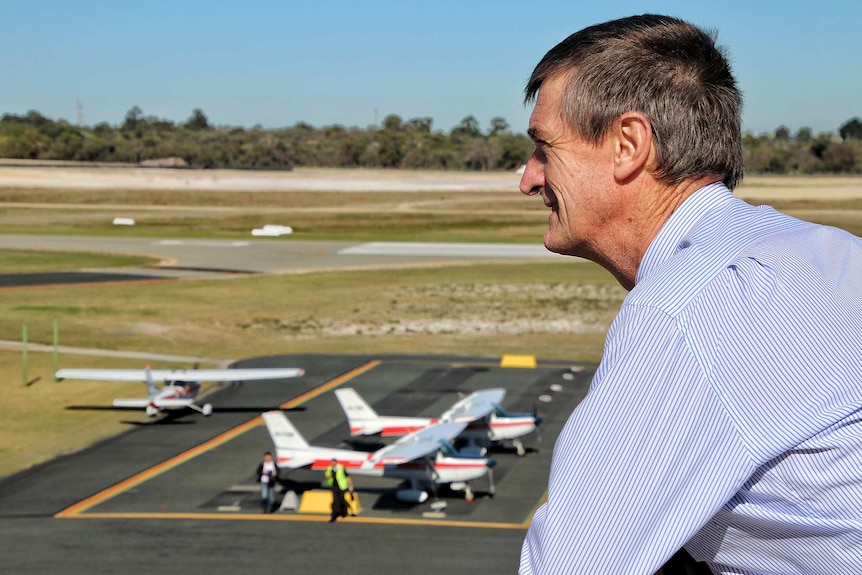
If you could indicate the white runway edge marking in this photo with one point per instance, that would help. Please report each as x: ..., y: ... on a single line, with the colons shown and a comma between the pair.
x: 201, y: 243
x: 449, y: 250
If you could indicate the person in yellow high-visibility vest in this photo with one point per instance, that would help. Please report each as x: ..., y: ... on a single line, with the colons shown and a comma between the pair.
x: 338, y: 481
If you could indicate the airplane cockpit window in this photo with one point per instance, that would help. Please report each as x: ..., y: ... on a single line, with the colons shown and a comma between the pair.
x: 447, y: 449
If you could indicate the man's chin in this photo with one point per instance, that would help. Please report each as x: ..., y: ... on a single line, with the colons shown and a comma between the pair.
x: 552, y: 244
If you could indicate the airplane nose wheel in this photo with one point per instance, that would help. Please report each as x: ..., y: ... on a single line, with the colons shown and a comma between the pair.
x: 207, y: 409
x: 468, y: 494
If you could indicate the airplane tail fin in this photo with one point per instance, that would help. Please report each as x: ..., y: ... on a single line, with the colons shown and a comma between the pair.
x: 284, y: 434
x: 355, y: 408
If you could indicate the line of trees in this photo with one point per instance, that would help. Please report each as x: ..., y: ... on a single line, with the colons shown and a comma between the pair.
x: 394, y: 144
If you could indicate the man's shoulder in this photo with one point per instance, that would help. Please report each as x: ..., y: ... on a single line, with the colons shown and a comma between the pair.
x: 715, y: 243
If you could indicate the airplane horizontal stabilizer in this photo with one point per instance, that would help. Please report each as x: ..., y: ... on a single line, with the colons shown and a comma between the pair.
x: 138, y: 403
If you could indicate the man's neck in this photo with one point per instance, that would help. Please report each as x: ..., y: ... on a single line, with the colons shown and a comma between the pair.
x: 652, y: 205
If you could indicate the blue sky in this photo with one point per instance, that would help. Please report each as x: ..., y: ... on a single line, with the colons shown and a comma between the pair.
x: 276, y: 63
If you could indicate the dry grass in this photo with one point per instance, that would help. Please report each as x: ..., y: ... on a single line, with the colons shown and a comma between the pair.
x: 553, y: 310
x: 334, y: 204
x: 32, y: 261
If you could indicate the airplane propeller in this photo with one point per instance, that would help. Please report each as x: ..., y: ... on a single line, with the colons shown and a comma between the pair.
x: 151, y: 385
x: 537, y: 421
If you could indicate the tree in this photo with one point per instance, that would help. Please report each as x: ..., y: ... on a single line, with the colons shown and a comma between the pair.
x: 469, y: 127
x: 197, y: 121
x: 498, y: 126
x: 851, y: 129
x: 391, y: 149
x: 133, y: 118
x: 422, y: 125
x: 392, y: 123
x: 803, y: 135
x: 840, y: 158
x: 782, y: 133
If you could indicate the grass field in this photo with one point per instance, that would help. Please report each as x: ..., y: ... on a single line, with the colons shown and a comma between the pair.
x: 558, y: 310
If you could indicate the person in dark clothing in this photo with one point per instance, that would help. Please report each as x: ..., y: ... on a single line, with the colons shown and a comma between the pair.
x: 267, y: 476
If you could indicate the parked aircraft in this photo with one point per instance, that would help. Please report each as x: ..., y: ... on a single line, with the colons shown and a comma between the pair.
x: 181, y: 386
x: 425, y: 458
x: 488, y: 421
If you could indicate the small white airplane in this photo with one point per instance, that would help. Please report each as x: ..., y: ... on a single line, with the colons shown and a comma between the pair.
x: 488, y: 421
x: 425, y: 458
x: 181, y: 386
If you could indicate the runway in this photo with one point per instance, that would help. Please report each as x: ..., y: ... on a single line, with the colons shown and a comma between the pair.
x: 214, y: 259
x: 156, y: 496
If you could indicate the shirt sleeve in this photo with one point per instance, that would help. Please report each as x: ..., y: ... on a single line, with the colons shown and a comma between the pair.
x: 643, y: 463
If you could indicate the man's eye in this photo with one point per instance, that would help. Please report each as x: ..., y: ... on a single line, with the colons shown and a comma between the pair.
x: 539, y: 152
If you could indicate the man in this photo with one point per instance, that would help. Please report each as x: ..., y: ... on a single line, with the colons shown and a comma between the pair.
x: 267, y: 476
x: 726, y: 414
x: 338, y: 481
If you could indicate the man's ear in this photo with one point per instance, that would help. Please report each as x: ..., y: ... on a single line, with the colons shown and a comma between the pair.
x: 633, y: 141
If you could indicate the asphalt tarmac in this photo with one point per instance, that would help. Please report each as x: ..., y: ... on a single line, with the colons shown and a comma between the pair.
x: 214, y: 259
x: 177, y: 493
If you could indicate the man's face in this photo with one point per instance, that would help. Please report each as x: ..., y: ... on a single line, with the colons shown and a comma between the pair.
x: 574, y: 177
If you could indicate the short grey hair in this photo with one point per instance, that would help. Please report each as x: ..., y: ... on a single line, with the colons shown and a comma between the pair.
x: 670, y: 71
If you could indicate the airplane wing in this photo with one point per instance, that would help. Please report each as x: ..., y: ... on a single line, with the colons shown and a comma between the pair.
x: 123, y: 375
x: 476, y: 405
x: 417, y: 444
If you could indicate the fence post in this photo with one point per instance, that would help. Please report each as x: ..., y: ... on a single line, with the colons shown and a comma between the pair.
x: 56, y: 349
x: 24, y: 355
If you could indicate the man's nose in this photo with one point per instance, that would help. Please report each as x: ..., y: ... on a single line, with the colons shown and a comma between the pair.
x: 533, y: 178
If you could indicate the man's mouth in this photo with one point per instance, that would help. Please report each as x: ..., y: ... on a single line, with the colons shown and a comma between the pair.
x: 549, y: 198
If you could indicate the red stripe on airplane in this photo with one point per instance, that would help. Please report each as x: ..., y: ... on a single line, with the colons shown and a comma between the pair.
x: 510, y: 423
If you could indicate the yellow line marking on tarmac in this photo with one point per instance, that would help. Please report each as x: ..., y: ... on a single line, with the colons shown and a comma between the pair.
x: 76, y: 509
x: 541, y: 502
x: 306, y: 518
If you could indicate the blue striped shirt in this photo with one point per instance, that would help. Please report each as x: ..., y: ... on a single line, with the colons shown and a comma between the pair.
x: 726, y: 414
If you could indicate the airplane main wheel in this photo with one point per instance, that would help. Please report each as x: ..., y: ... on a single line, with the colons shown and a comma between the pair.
x: 207, y: 409
x: 519, y: 447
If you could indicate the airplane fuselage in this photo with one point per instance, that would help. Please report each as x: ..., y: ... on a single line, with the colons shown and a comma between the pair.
x: 445, y: 469
x: 178, y: 390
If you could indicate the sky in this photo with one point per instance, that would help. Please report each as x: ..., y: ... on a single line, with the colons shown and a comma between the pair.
x: 353, y: 62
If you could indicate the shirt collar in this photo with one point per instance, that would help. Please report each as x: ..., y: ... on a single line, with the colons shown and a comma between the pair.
x: 672, y: 237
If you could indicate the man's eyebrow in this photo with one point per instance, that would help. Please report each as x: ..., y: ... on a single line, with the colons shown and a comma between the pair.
x: 535, y: 135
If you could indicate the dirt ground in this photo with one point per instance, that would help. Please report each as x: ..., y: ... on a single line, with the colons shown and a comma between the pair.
x: 361, y: 180
x: 298, y: 180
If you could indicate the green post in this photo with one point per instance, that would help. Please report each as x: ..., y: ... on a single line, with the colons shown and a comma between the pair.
x: 56, y: 348
x: 24, y: 355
